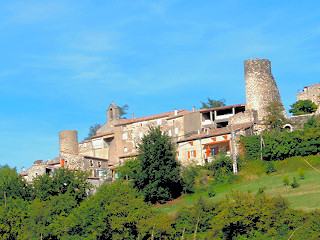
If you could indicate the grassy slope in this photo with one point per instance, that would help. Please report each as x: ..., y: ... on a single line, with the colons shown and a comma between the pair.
x: 306, y: 197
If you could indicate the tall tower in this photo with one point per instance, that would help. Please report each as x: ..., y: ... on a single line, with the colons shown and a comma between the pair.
x: 68, y: 140
x: 261, y: 88
x: 113, y: 113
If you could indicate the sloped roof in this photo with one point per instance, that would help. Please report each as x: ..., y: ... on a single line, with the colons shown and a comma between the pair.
x: 161, y: 115
x: 217, y: 132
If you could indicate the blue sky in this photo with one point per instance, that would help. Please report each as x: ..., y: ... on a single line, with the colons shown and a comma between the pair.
x: 64, y: 62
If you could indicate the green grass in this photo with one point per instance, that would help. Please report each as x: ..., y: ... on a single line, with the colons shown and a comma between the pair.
x: 306, y: 197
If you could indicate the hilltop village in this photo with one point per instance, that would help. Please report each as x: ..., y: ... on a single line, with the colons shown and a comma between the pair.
x: 199, y: 134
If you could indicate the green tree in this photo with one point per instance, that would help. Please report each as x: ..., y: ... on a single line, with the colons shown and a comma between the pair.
x: 12, y: 185
x: 93, y: 130
x: 122, y: 111
x: 213, y: 103
x: 61, y: 182
x: 114, y: 212
x: 159, y: 178
x: 275, y: 119
x: 303, y: 107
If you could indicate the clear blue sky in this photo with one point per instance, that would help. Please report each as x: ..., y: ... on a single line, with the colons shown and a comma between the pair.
x: 64, y: 62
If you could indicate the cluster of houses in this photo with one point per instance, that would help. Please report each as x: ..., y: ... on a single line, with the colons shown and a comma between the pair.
x: 199, y: 134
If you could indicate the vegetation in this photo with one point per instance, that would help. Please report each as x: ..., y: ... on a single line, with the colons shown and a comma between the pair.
x: 275, y: 119
x: 93, y: 130
x: 158, y: 177
x: 122, y: 111
x: 213, y: 103
x: 303, y: 107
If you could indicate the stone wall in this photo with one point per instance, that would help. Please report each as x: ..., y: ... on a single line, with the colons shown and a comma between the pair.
x: 261, y: 88
x: 68, y: 141
x: 244, y: 117
x: 297, y: 122
x: 310, y: 93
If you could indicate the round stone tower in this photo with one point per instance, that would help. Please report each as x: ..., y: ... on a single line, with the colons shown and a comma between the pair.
x: 261, y: 88
x: 68, y: 140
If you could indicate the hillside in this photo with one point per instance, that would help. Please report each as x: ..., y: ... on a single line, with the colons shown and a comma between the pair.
x: 253, y: 178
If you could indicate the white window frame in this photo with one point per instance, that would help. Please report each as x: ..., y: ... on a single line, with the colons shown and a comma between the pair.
x: 124, y: 136
x: 176, y: 131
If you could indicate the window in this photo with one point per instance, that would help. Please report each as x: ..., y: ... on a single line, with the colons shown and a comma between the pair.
x: 159, y: 122
x: 170, y: 133
x: 124, y: 136
x: 125, y: 149
x: 192, y: 154
x: 124, y: 128
x: 99, y: 164
x: 91, y: 163
x: 176, y: 131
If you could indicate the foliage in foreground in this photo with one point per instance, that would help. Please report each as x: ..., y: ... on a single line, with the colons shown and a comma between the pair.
x: 303, y: 107
x: 159, y: 176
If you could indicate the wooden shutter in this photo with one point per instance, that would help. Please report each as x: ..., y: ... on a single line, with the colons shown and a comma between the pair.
x: 188, y: 154
x: 195, y: 155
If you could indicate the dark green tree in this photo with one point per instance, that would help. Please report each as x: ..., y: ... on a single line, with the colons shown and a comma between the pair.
x: 61, y: 182
x: 122, y: 111
x: 93, y: 130
x: 12, y: 185
x: 213, y: 103
x: 159, y: 178
x: 303, y: 107
x: 275, y: 119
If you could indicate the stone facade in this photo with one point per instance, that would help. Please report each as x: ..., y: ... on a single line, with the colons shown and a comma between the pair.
x: 310, y: 93
x: 261, y: 88
x: 68, y: 141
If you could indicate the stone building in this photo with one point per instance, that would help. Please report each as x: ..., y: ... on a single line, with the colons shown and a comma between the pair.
x: 198, y: 134
x: 310, y: 93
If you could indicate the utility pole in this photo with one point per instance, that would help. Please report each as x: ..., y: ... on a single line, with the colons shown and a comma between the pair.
x: 233, y: 152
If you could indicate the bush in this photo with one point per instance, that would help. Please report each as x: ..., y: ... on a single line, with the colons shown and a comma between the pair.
x: 301, y: 173
x: 285, y: 180
x: 211, y: 192
x: 295, y: 183
x: 270, y: 168
x: 189, y: 175
x: 222, y: 169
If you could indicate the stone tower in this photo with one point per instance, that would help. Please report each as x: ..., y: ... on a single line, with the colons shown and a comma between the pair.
x: 261, y: 88
x: 113, y: 113
x: 68, y: 140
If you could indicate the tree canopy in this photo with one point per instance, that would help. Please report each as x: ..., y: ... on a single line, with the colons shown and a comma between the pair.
x: 159, y: 177
x: 303, y: 107
x: 122, y: 111
x: 275, y: 119
x: 93, y: 130
x: 213, y: 103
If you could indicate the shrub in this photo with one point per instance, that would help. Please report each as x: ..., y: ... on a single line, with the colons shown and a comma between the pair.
x: 270, y: 168
x: 189, y: 175
x: 301, y: 173
x: 295, y: 183
x: 285, y: 180
x: 211, y: 191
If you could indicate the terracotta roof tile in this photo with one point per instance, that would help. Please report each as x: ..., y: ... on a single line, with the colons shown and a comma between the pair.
x: 221, y: 108
x: 161, y: 115
x: 217, y: 132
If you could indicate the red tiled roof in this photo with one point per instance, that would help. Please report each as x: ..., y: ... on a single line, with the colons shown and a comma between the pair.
x: 101, y: 135
x: 97, y: 158
x: 129, y: 155
x: 161, y: 115
x: 221, y: 108
x: 217, y: 132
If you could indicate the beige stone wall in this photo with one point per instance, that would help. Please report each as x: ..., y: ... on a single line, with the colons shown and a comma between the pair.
x: 310, y: 93
x: 244, y: 117
x: 192, y: 123
x: 261, y: 88
x: 68, y: 141
x: 198, y: 145
x: 34, y: 171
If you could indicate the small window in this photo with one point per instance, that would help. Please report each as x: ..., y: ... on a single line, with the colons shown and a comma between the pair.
x: 91, y: 163
x: 192, y: 154
x: 170, y: 133
x: 124, y: 128
x: 176, y: 131
x: 125, y: 149
x: 124, y: 136
x: 99, y: 164
x: 159, y: 122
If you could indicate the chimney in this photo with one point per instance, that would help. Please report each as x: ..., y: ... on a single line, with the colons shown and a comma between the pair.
x: 132, y: 116
x: 193, y: 109
x: 175, y: 112
x: 23, y: 170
